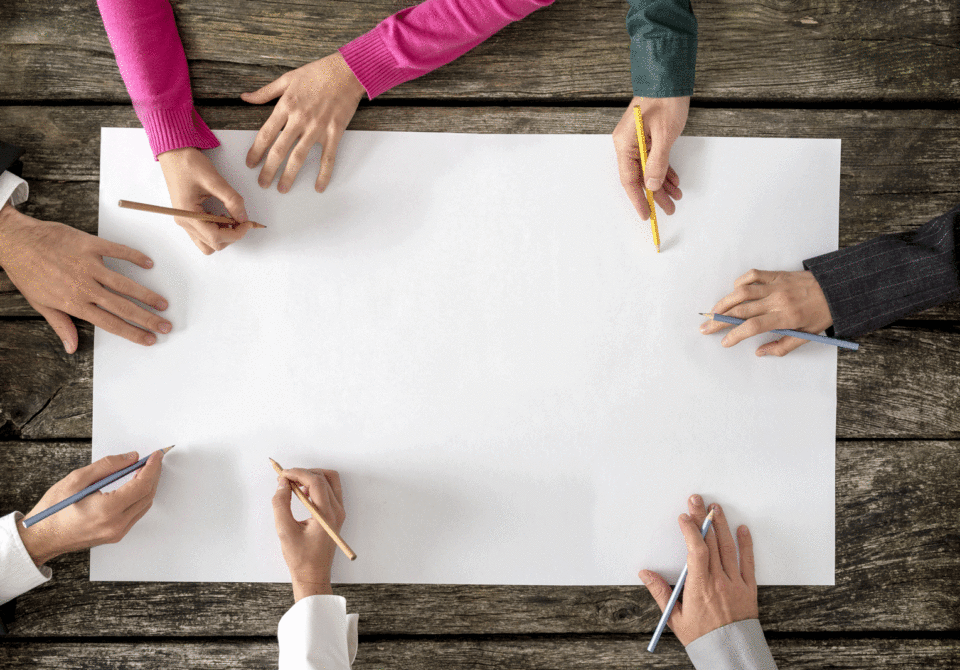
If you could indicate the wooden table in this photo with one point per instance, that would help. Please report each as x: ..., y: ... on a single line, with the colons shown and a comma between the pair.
x: 883, y: 76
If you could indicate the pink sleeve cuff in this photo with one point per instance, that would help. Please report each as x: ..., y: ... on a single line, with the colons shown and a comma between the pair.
x: 372, y: 64
x: 169, y: 129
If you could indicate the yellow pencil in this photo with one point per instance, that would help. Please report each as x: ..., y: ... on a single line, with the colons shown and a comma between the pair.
x: 316, y: 515
x: 642, y: 141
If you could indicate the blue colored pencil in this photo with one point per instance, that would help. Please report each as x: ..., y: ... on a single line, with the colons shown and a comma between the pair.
x: 792, y: 333
x: 109, y: 479
x: 676, y: 591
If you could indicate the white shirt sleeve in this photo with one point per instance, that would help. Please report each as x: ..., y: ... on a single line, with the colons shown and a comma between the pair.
x: 12, y: 188
x: 318, y: 634
x: 736, y: 646
x: 18, y: 573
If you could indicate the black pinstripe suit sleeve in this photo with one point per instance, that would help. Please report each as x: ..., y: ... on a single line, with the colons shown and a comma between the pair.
x: 873, y: 284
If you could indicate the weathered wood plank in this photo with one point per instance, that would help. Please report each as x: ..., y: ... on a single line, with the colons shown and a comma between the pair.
x: 521, y: 653
x: 780, y: 51
x: 898, y: 569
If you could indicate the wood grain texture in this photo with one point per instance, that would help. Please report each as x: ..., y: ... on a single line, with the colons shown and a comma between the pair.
x: 777, y: 51
x: 898, y: 569
x: 522, y: 653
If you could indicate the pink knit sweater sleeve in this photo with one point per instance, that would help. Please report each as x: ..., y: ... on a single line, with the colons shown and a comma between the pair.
x: 150, y: 56
x: 420, y: 39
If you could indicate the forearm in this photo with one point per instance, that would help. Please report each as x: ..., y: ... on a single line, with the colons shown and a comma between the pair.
x: 872, y: 284
x: 419, y: 39
x: 663, y: 47
x: 144, y: 38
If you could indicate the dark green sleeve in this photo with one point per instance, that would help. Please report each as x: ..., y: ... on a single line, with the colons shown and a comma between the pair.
x: 663, y: 47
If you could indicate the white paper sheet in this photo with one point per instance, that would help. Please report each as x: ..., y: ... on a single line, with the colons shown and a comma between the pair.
x: 476, y: 332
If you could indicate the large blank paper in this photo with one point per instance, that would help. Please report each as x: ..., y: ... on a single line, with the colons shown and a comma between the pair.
x: 476, y: 332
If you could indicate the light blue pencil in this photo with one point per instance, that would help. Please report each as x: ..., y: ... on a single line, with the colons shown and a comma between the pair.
x: 677, y: 590
x: 109, y: 479
x: 792, y: 333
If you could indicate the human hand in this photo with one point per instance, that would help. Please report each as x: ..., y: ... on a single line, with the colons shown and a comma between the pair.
x: 772, y: 301
x: 60, y: 271
x: 307, y: 549
x: 718, y: 591
x: 663, y: 122
x: 316, y: 104
x: 100, y: 518
x: 192, y: 179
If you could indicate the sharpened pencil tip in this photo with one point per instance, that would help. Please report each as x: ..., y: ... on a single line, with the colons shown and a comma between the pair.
x: 658, y: 248
x: 168, y: 448
x: 706, y: 314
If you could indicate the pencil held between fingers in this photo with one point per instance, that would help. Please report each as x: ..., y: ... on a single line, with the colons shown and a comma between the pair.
x: 719, y: 590
x: 664, y: 119
x: 100, y: 518
x: 317, y: 102
x: 772, y: 301
x: 307, y: 548
x: 191, y: 180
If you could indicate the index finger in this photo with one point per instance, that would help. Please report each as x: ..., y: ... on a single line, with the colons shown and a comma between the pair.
x: 143, y: 484
x: 317, y: 487
x: 333, y: 478
x: 698, y: 554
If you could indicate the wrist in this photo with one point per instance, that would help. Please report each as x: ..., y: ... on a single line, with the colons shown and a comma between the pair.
x: 10, y: 219
x: 35, y: 544
x: 304, y: 589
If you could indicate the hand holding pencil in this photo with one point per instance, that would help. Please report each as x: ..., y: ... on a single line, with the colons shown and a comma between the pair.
x: 719, y: 589
x: 772, y: 301
x: 307, y: 547
x: 99, y: 518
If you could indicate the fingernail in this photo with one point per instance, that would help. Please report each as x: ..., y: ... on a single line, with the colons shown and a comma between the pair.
x: 165, y: 327
x: 280, y: 485
x: 725, y: 341
x: 149, y: 263
x: 653, y: 184
x: 151, y: 340
x: 761, y: 352
x: 282, y: 188
x: 696, y: 499
x: 132, y: 456
x: 703, y: 327
x: 643, y: 577
x: 162, y: 305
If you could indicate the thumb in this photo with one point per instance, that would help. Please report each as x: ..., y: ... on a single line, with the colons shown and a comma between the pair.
x: 272, y: 90
x: 105, y: 466
x: 658, y: 588
x: 658, y: 161
x: 62, y: 325
x: 225, y: 193
x: 282, y: 516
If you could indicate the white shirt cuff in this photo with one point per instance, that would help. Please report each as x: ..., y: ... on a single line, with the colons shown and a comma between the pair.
x: 12, y: 188
x: 18, y: 573
x: 318, y: 633
x: 736, y: 646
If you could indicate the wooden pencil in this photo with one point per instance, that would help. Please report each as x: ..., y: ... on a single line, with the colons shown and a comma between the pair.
x: 316, y: 515
x: 222, y: 221
x: 642, y: 141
